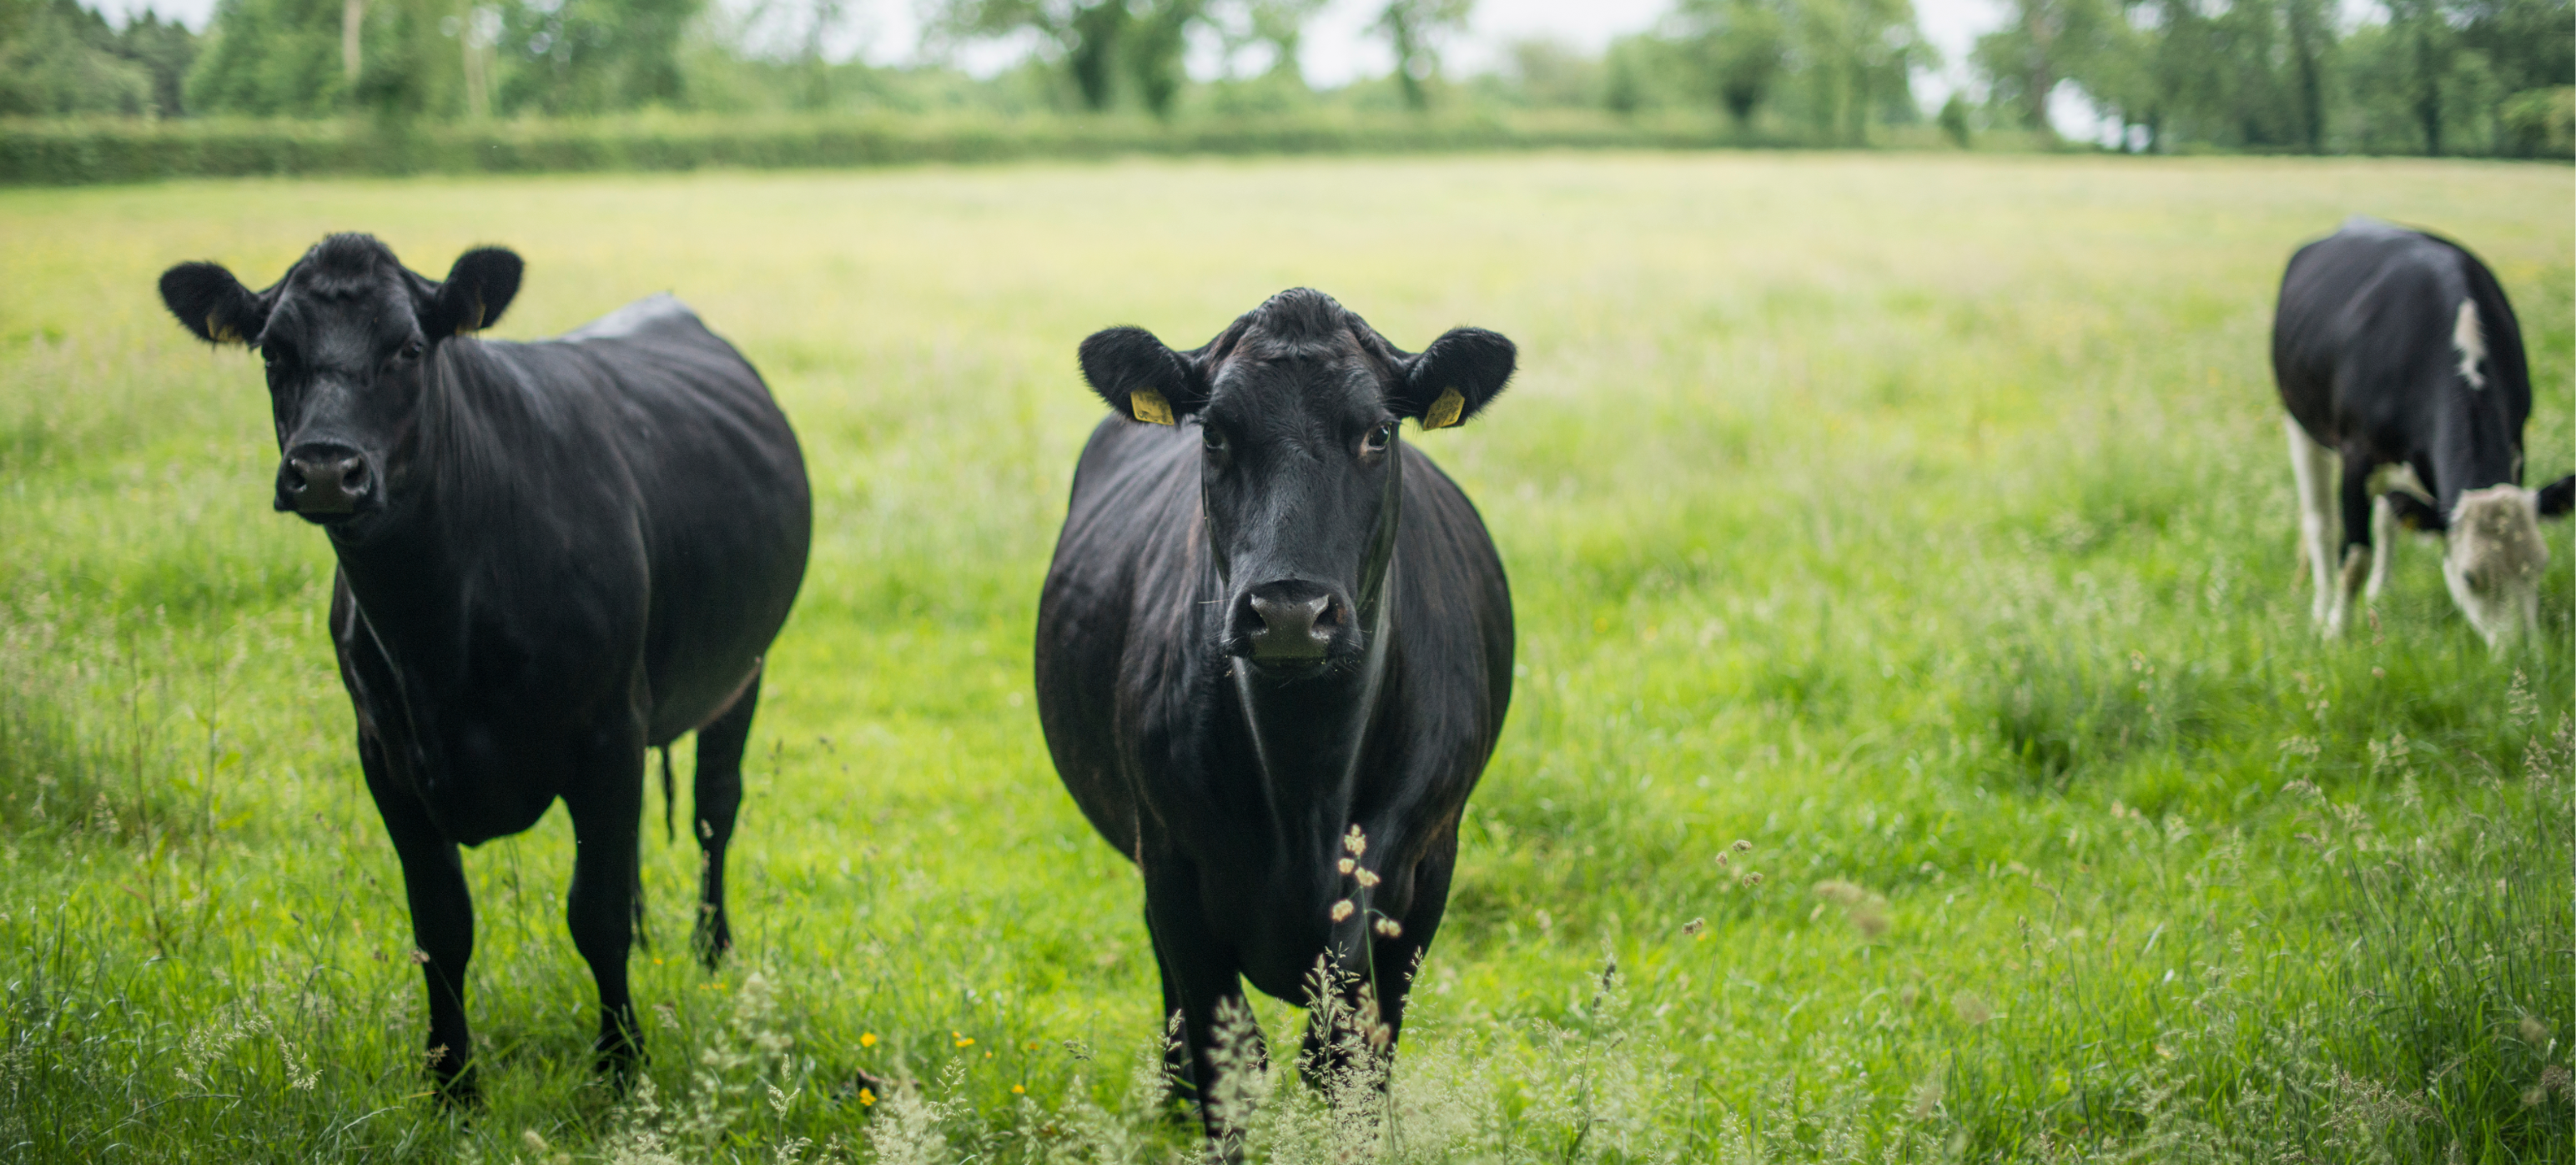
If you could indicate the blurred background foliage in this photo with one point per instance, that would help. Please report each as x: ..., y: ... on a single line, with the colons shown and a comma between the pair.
x: 2451, y: 77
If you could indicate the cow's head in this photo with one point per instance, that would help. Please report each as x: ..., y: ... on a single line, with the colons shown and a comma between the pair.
x: 1296, y: 406
x: 347, y: 335
x: 2493, y: 553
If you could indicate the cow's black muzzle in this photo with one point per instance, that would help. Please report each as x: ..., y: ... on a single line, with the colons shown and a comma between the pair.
x: 326, y: 483
x: 1291, y: 624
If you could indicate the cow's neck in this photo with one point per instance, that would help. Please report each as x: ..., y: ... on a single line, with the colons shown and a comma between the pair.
x: 409, y: 575
x: 1307, y: 739
x: 1308, y: 736
x: 2473, y: 448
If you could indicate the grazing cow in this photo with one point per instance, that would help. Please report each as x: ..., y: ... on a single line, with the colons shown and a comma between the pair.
x: 2398, y: 356
x: 1273, y: 654
x: 553, y: 556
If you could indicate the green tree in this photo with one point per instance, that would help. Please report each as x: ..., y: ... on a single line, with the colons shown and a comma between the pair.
x: 1742, y: 46
x: 1854, y: 59
x: 1156, y: 39
x: 1414, y: 29
x: 59, y: 58
x: 271, y: 58
x: 593, y: 56
x: 1085, y: 36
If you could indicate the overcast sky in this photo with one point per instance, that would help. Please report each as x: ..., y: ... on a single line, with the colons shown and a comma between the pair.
x: 1338, y: 46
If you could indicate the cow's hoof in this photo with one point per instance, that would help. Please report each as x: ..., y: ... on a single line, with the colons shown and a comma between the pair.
x: 712, y: 940
x: 455, y: 1085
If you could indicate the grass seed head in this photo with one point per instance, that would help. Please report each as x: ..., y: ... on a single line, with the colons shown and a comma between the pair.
x: 1389, y: 927
x: 1342, y: 909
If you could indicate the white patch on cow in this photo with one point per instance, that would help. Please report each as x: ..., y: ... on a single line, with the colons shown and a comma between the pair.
x: 2315, y: 466
x: 2383, y: 544
x: 2471, y: 343
x: 2493, y: 558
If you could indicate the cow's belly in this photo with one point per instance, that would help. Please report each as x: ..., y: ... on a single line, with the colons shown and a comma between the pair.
x: 481, y: 781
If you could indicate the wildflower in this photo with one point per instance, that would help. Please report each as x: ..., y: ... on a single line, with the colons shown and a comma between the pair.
x: 1721, y: 858
x: 1347, y: 865
x: 1750, y: 879
x: 1365, y: 876
x: 963, y: 1040
x: 1742, y: 846
x: 1389, y: 927
x: 1342, y: 909
x: 1019, y: 1090
x: 867, y: 1096
x: 1692, y: 928
x: 867, y: 1039
x: 1355, y: 841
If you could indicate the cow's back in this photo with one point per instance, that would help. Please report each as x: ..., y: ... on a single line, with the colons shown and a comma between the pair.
x: 681, y: 439
x: 2364, y: 337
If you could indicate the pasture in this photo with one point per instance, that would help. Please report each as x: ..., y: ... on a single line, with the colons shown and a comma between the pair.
x: 1922, y: 521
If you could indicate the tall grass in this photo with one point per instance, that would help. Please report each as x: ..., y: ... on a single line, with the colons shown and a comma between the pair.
x: 1915, y: 522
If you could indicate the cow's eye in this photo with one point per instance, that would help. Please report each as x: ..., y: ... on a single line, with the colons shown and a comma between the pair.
x: 1214, y: 440
x: 1380, y: 437
x: 412, y: 349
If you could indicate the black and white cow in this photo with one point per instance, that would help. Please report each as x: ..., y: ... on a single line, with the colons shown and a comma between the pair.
x: 553, y: 556
x: 1274, y: 652
x: 2401, y: 364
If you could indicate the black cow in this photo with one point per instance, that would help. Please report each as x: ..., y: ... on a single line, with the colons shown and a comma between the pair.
x: 2398, y: 355
x: 553, y: 556
x: 1273, y: 654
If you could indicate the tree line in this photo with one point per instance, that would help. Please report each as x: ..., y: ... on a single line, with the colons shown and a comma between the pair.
x: 2487, y: 77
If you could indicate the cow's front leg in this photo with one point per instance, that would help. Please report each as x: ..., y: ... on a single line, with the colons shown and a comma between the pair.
x: 1356, y: 1032
x: 606, y: 800
x: 718, y: 797
x: 442, y: 919
x: 1201, y: 989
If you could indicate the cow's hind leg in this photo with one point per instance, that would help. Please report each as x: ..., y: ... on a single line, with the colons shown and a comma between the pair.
x: 718, y: 797
x: 606, y: 802
x: 2349, y: 580
x: 2314, y: 467
x: 442, y: 919
x: 1393, y: 960
x: 2383, y: 546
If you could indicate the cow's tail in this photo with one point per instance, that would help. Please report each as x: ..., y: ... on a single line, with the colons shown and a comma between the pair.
x: 668, y: 834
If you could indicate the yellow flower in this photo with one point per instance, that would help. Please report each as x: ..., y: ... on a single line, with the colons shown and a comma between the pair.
x: 1017, y: 1090
x: 867, y: 1097
x: 963, y: 1041
x: 867, y: 1039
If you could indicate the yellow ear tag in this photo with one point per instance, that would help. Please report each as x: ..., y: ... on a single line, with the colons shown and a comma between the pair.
x: 1150, y: 407
x: 222, y: 332
x: 1444, y: 411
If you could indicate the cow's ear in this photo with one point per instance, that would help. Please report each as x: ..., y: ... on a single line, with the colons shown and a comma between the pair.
x: 2557, y: 497
x: 1455, y: 377
x: 478, y: 289
x: 1141, y: 377
x: 213, y: 304
x: 2414, y: 513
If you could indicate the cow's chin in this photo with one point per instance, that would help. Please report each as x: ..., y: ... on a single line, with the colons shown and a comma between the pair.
x: 1300, y: 669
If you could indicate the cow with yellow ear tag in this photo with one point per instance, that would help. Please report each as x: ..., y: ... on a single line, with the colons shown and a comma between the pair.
x: 1273, y: 654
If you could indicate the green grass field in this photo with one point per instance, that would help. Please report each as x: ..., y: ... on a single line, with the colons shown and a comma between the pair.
x: 1924, y: 522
